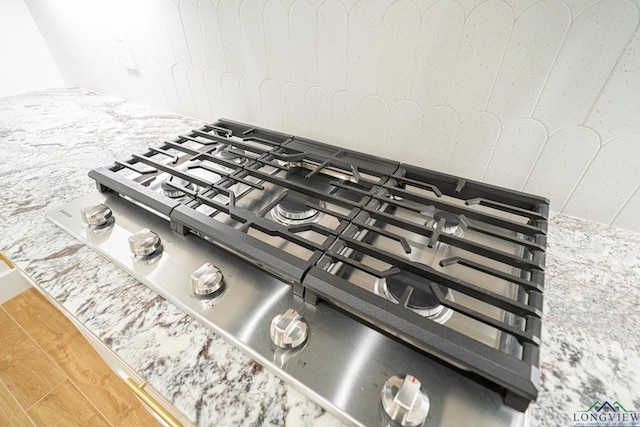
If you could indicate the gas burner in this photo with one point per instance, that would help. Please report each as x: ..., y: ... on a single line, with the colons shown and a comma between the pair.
x: 289, y: 164
x: 224, y: 153
x: 329, y: 221
x: 425, y: 303
x: 170, y: 191
x: 451, y: 223
x: 293, y: 209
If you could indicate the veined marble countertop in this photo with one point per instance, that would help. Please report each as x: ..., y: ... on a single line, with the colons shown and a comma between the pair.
x: 49, y: 140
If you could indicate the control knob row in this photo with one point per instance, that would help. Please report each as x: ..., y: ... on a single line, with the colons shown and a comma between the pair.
x: 402, y: 398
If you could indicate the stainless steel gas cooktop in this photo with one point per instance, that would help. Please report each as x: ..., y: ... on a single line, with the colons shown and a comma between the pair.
x: 387, y: 293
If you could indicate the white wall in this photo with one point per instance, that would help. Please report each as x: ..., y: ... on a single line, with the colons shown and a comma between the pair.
x: 540, y: 96
x: 25, y: 61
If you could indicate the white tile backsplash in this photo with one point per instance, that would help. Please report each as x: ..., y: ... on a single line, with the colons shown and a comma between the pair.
x: 615, y: 112
x: 630, y: 213
x: 438, y: 133
x: 562, y: 162
x: 479, y: 55
x: 396, y: 50
x: 609, y: 180
x: 476, y: 138
x: 531, y: 51
x: 535, y: 95
x: 515, y: 153
x: 594, y: 43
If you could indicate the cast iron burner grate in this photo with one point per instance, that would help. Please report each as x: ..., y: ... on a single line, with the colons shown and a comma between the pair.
x: 462, y: 262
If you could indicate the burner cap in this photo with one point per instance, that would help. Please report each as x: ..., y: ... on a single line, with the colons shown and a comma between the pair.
x: 450, y: 219
x: 419, y: 299
x: 173, y: 192
x: 224, y: 153
x: 293, y: 207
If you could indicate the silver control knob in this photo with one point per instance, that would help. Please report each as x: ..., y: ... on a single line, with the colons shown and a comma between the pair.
x: 145, y: 242
x: 97, y: 214
x: 288, y: 330
x: 404, y: 401
x: 206, y: 280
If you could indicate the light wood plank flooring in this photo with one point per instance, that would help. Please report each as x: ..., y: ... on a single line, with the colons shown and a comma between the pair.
x: 51, y: 376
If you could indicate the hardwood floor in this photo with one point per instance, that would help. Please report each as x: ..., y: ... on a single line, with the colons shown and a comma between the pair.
x: 51, y: 376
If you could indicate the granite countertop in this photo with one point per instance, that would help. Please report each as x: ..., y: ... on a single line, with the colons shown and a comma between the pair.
x: 50, y: 139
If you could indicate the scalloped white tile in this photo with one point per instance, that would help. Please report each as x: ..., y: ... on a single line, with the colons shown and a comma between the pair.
x: 534, y: 43
x: 304, y: 42
x: 332, y: 46
x: 193, y: 35
x: 562, y: 162
x: 610, y: 179
x: 629, y: 214
x: 232, y: 97
x: 252, y: 26
x: 175, y: 31
x: 318, y: 107
x: 365, y: 29
x: 515, y: 153
x: 293, y: 107
x: 400, y: 27
x: 616, y: 110
x: 153, y: 86
x: 199, y: 93
x: 593, y: 44
x: 437, y: 135
x: 438, y: 40
x: 229, y: 21
x: 276, y: 32
x: 211, y: 36
x: 343, y: 110
x: 157, y: 47
x: 271, y: 96
x: 183, y: 89
x: 250, y: 93
x: 401, y: 141
x: 169, y: 87
x: 518, y: 93
x: 484, y: 37
x: 214, y: 93
x: 474, y: 143
x: 371, y: 125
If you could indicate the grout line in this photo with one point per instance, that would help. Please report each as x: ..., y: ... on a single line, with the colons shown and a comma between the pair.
x: 453, y: 144
x: 623, y: 53
x: 578, y: 182
x: 537, y: 158
x: 415, y: 56
x: 553, y: 66
x: 39, y: 348
x: 624, y: 205
x: 493, y: 150
x: 46, y: 395
x: 26, y: 414
x: 79, y: 390
x: 454, y: 63
x: 504, y: 53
